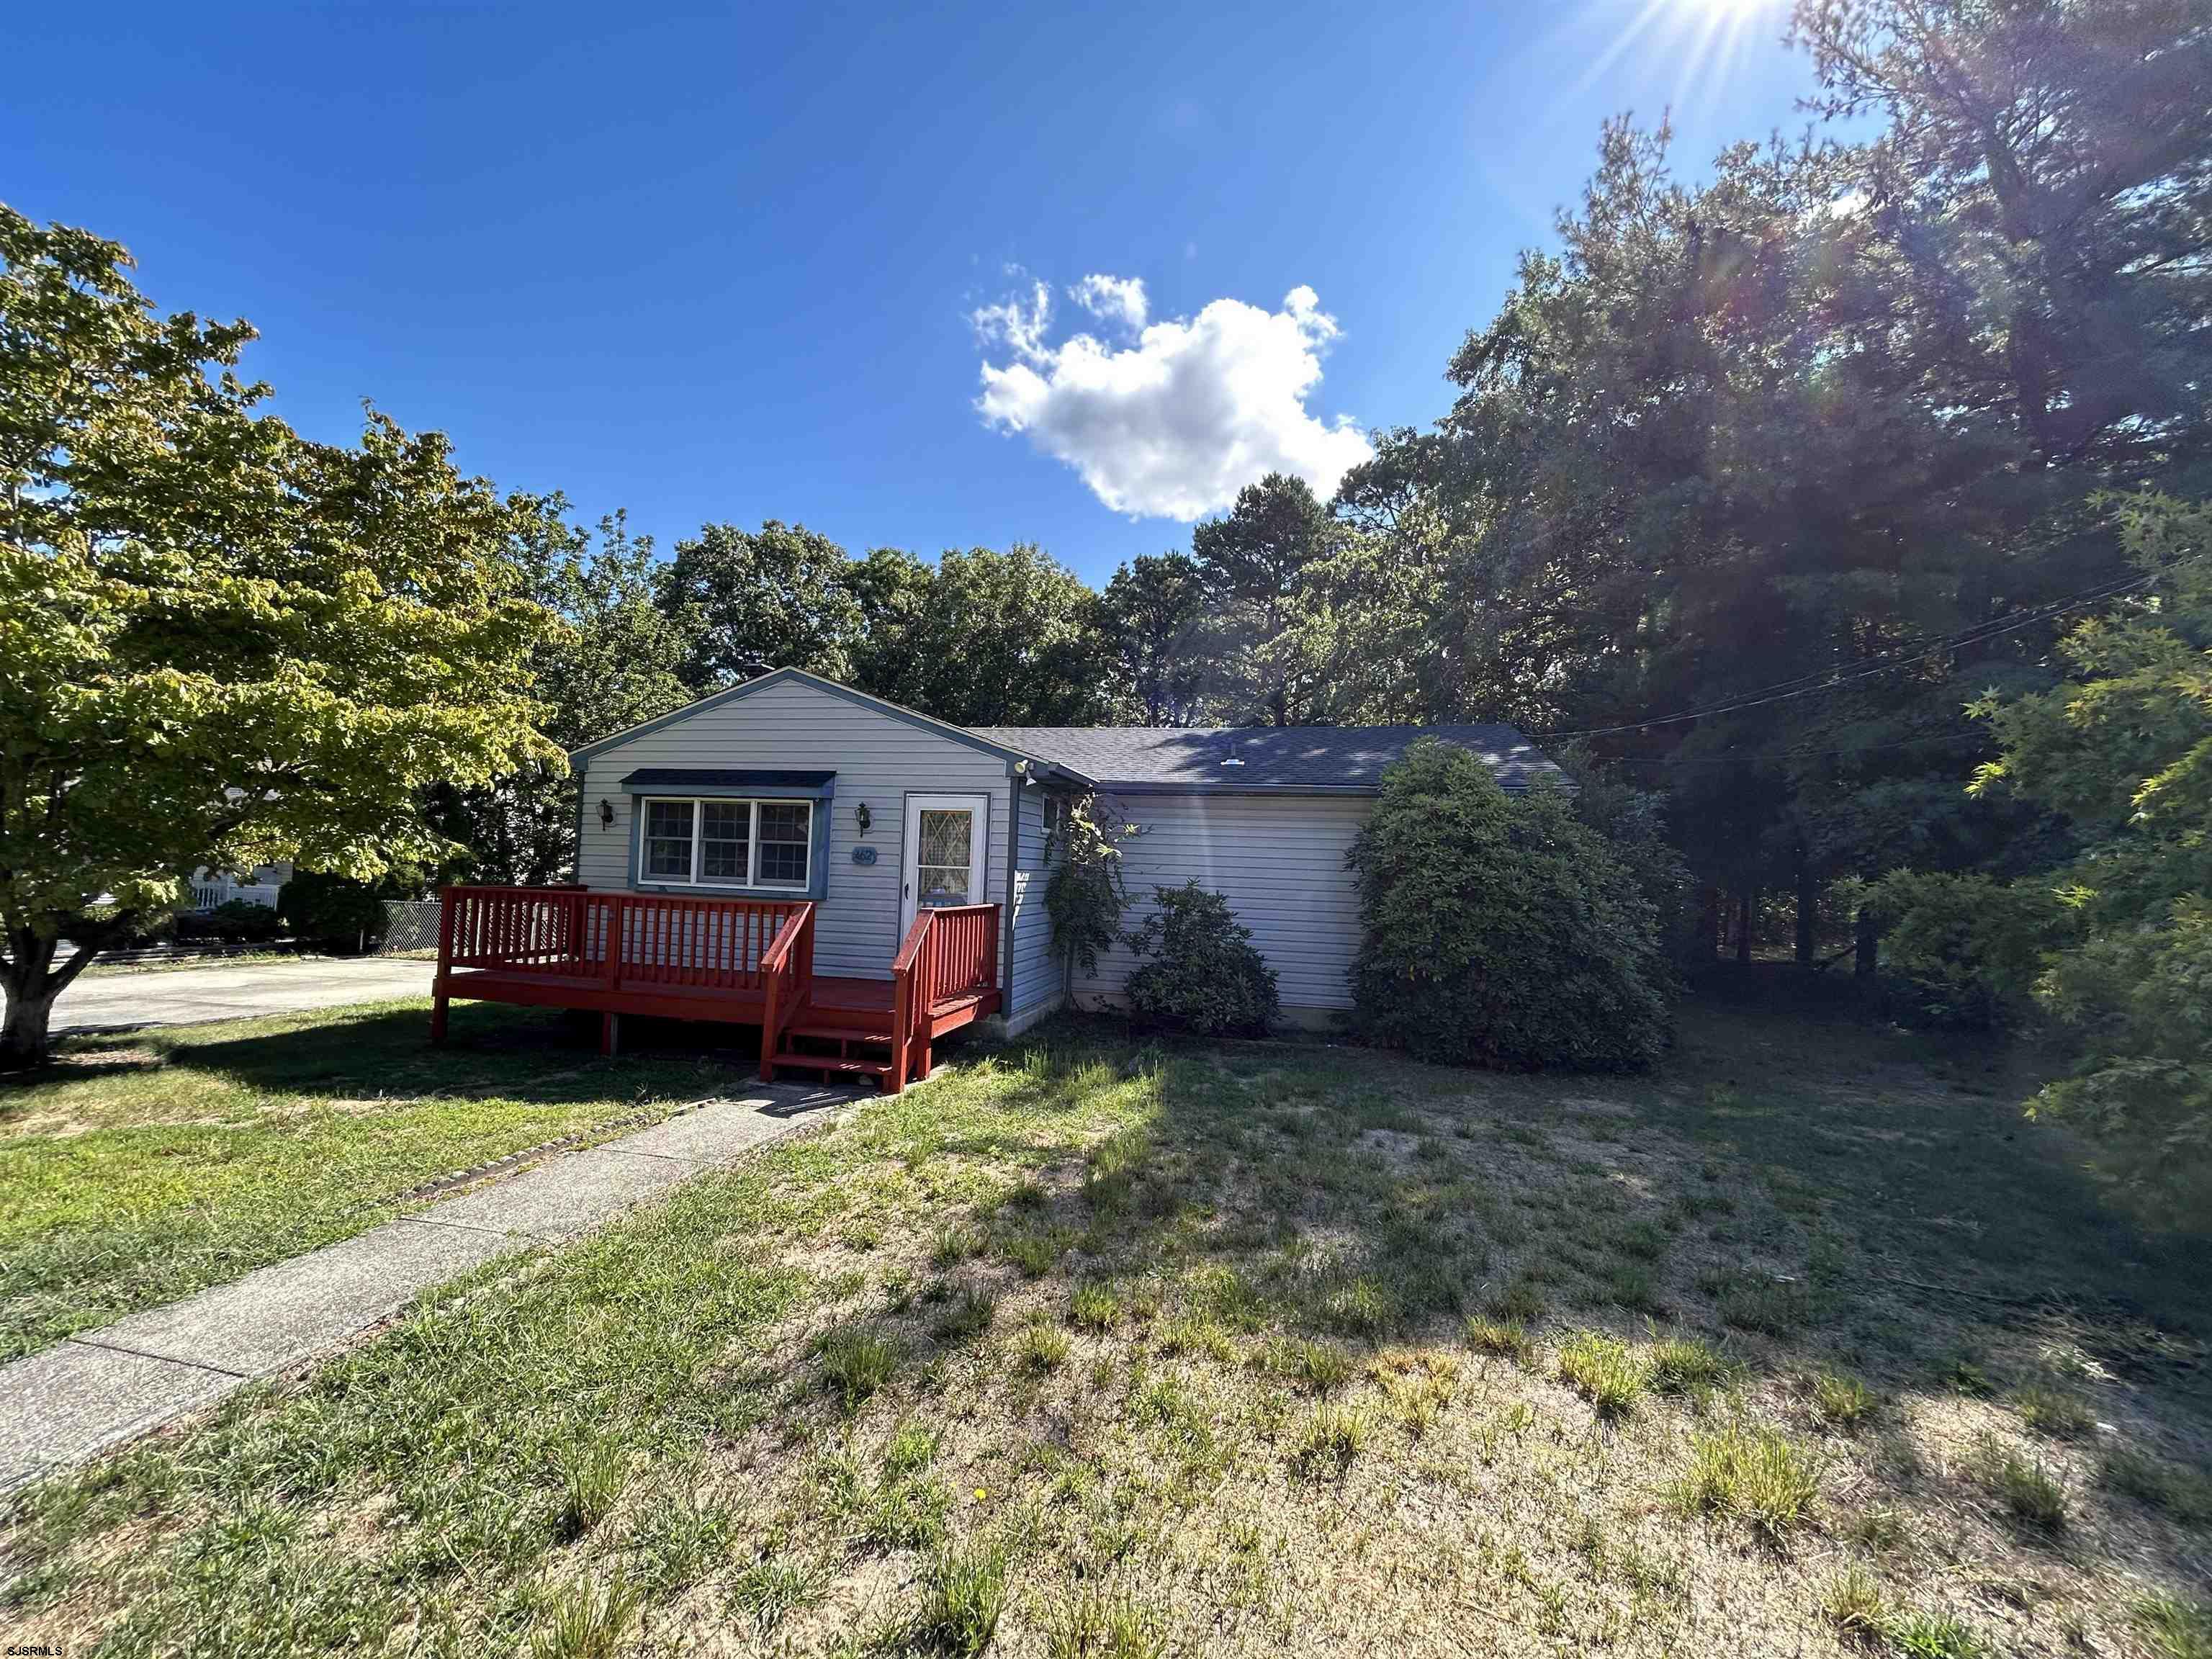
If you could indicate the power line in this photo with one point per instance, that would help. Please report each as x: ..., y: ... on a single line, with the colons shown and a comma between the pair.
x: 1803, y: 685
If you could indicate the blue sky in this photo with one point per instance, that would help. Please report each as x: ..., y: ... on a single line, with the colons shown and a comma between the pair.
x: 721, y: 263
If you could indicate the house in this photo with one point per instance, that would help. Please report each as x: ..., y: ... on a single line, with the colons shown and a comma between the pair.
x: 263, y: 885
x: 858, y: 879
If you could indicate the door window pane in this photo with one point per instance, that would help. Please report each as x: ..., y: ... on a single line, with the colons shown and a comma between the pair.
x: 942, y: 860
x: 784, y: 829
x: 668, y: 839
x: 724, y: 830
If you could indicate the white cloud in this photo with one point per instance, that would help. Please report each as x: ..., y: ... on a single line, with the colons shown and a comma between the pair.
x: 1019, y: 320
x: 1174, y: 425
x: 1112, y: 299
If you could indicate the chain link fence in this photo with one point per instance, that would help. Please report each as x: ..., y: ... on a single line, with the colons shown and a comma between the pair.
x: 409, y: 925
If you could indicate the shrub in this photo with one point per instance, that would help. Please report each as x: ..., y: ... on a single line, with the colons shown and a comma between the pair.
x: 1085, y: 895
x: 1961, y: 950
x: 1201, y: 972
x: 95, y: 928
x: 1500, y: 931
x: 235, y: 923
x: 332, y: 911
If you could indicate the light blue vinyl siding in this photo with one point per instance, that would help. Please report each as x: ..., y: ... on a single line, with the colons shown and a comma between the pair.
x: 791, y: 725
x: 1279, y: 861
x: 1036, y: 980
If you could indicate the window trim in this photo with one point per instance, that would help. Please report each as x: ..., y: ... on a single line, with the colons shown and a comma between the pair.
x: 752, y: 886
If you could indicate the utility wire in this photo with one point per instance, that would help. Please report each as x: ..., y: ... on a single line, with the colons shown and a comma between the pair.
x: 1784, y: 691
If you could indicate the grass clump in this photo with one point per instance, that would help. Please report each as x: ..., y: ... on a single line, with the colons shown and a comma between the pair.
x: 2047, y: 1408
x: 967, y: 1312
x: 964, y: 1595
x: 770, y: 1589
x: 856, y: 1362
x: 1038, y: 1348
x: 2174, y: 1628
x: 1684, y: 1365
x: 677, y: 1539
x: 952, y: 1245
x: 585, y: 1620
x: 1854, y: 1604
x: 593, y: 1474
x: 1917, y: 1634
x: 1843, y: 1402
x: 1331, y: 1437
x: 1094, y: 1307
x: 1506, y: 1339
x: 1095, y: 1625
x: 1756, y: 1476
x: 1603, y: 1371
x: 2030, y: 1494
x: 1772, y: 1307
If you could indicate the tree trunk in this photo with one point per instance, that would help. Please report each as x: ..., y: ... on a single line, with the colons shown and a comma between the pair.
x: 1746, y: 906
x: 29, y: 989
x: 1863, y: 945
x: 1808, y: 907
x: 1709, y: 923
x: 24, y: 1031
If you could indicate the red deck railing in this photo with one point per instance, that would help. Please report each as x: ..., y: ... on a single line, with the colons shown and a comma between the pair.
x: 948, y: 953
x: 787, y: 976
x: 632, y: 942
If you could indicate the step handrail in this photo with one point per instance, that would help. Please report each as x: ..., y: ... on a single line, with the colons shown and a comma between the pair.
x: 949, y: 951
x: 786, y: 971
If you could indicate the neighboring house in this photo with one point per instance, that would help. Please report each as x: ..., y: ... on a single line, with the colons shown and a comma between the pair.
x: 874, y: 836
x: 212, y: 888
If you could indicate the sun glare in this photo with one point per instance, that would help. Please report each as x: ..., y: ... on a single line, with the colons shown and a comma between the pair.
x: 1704, y: 39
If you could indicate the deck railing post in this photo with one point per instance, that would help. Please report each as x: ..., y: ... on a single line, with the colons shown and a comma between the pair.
x: 618, y: 940
x: 438, y: 998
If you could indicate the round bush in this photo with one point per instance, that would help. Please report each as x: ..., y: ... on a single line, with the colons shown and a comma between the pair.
x: 1501, y: 932
x: 237, y: 922
x: 1201, y: 971
x: 331, y: 911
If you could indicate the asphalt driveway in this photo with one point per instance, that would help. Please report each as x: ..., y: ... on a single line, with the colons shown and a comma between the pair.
x: 186, y: 996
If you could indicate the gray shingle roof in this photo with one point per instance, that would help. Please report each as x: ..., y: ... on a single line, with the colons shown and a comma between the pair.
x: 1350, y: 757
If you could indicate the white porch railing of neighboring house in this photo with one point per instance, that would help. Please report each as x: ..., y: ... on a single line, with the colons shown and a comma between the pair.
x: 222, y: 891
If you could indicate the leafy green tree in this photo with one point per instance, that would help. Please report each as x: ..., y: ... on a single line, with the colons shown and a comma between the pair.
x: 611, y: 659
x: 892, y: 589
x: 777, y: 595
x: 1254, y: 562
x: 2124, y: 749
x: 991, y: 639
x: 1155, y: 614
x: 220, y: 644
x: 1500, y: 931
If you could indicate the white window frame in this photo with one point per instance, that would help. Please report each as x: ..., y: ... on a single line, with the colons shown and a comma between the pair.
x: 642, y: 812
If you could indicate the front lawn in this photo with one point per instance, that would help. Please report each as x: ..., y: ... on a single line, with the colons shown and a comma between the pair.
x: 138, y: 1169
x: 1083, y: 1348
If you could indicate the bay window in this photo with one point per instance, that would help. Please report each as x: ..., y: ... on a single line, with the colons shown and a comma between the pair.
x: 714, y: 841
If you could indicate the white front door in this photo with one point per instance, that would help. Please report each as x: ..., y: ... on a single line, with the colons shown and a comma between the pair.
x: 943, y: 860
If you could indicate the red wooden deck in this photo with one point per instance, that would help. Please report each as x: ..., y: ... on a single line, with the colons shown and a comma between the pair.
x: 735, y: 961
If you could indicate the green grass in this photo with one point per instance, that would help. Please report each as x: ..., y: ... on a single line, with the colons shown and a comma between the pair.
x: 1253, y: 1402
x: 2032, y: 1493
x: 1754, y: 1475
x: 1842, y: 1401
x: 2174, y: 1628
x: 136, y: 1170
x: 1605, y: 1372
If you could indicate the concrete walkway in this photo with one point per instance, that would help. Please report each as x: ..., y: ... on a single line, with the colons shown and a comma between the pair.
x: 187, y: 996
x: 97, y: 1389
